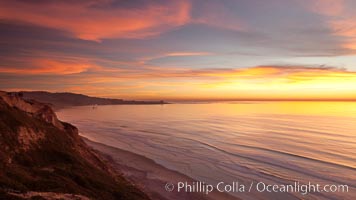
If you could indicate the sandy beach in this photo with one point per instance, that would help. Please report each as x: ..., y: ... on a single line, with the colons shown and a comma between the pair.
x: 150, y: 176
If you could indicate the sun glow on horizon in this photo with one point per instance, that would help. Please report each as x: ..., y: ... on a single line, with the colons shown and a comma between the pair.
x: 288, y: 83
x: 255, y: 83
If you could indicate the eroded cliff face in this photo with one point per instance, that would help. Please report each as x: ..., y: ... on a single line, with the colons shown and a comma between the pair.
x: 32, y: 107
x: 40, y: 155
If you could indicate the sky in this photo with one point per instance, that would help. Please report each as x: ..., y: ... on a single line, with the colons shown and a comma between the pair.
x: 180, y: 49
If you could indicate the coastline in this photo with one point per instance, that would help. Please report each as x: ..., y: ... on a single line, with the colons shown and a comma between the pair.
x: 149, y: 176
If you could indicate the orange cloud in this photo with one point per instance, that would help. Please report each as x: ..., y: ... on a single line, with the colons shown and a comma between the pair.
x: 87, y: 22
x: 48, y: 66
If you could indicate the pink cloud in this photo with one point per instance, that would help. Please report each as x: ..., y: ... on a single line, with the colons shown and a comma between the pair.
x: 89, y: 23
x: 345, y: 28
x: 327, y: 7
x: 339, y: 18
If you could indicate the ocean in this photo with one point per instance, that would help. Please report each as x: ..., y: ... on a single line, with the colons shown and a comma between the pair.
x: 274, y: 143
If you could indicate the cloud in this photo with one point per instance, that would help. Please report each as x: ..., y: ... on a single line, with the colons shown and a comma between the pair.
x: 268, y: 73
x: 99, y: 19
x: 327, y: 7
x: 49, y: 67
x: 273, y: 81
x: 288, y: 73
x: 216, y: 14
x: 175, y: 54
x: 110, y: 19
x: 346, y: 28
x: 254, y: 82
x: 340, y: 18
x: 145, y: 60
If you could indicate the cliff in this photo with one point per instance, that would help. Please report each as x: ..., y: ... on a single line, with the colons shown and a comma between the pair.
x: 44, y: 158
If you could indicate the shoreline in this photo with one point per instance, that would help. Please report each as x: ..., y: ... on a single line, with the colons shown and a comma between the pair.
x: 149, y: 176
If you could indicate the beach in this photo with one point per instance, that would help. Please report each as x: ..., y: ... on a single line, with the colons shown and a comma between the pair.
x: 150, y: 176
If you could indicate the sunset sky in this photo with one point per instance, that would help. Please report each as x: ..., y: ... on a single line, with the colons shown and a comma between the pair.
x: 183, y: 49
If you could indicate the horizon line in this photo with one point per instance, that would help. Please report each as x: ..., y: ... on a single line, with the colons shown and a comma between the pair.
x: 204, y: 99
x: 264, y: 99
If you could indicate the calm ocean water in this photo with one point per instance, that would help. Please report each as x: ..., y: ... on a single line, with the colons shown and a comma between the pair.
x: 272, y: 142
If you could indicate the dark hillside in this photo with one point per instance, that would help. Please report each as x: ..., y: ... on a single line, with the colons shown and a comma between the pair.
x: 65, y: 99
